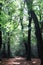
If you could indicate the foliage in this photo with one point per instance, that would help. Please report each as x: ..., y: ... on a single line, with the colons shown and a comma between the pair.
x: 11, y: 12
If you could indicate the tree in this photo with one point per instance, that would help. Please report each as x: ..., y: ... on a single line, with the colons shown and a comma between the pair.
x: 8, y: 44
x: 22, y: 28
x: 29, y: 6
x: 29, y: 39
x: 38, y: 36
x: 0, y: 37
x: 38, y: 31
x: 0, y: 26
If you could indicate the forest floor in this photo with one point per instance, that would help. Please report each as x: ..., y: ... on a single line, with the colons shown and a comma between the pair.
x: 19, y: 61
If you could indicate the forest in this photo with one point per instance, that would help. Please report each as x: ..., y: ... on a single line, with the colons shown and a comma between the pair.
x: 21, y: 32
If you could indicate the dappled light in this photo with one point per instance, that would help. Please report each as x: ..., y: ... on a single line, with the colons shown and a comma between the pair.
x: 19, y: 61
x: 36, y: 61
x: 21, y: 32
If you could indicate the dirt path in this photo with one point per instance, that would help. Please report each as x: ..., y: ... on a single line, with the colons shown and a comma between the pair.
x: 19, y: 61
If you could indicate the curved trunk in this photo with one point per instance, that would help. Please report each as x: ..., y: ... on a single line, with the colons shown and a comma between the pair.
x: 38, y: 35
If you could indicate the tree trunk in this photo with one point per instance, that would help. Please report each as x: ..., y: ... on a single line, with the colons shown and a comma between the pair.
x: 29, y: 40
x: 0, y: 26
x: 8, y: 45
x: 0, y: 37
x: 4, y: 51
x: 25, y: 44
x: 38, y: 36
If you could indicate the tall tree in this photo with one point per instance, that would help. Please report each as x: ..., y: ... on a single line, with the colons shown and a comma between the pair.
x: 22, y: 29
x: 29, y: 39
x: 38, y: 36
x: 0, y: 26
x: 8, y: 44
x: 28, y: 44
x: 38, y: 31
x: 0, y: 37
x: 29, y: 6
